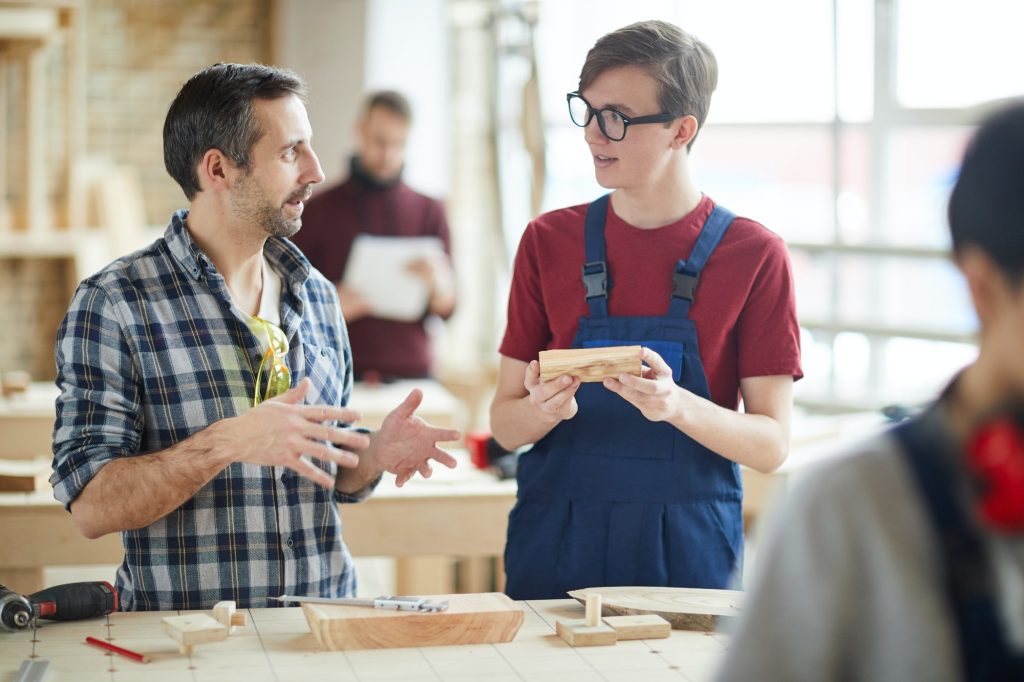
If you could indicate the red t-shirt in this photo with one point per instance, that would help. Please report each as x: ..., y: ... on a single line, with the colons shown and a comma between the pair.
x: 744, y: 308
x: 331, y: 222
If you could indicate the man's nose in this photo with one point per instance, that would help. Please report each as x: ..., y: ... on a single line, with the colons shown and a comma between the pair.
x: 313, y: 172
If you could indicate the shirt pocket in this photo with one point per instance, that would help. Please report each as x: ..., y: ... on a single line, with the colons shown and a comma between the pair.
x: 325, y: 373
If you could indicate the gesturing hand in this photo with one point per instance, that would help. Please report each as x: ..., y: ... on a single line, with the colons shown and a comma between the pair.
x: 405, y: 443
x: 278, y: 432
x: 555, y: 399
x: 655, y: 393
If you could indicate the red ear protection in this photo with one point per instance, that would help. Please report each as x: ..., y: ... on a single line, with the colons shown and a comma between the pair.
x: 995, y: 454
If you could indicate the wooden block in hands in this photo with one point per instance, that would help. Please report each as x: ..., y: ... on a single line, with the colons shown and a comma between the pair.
x: 649, y: 626
x: 590, y: 364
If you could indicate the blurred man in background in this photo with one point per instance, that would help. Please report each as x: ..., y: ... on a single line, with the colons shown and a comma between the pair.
x: 374, y: 201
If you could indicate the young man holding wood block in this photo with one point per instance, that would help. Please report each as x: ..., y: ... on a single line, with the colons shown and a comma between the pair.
x: 634, y: 480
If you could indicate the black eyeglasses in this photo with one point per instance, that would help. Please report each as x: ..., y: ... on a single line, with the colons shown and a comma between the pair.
x: 612, y: 122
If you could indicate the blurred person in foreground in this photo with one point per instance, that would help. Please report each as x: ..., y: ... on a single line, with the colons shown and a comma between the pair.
x: 905, y: 559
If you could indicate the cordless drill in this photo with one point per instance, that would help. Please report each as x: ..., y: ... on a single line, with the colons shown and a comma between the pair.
x: 72, y: 601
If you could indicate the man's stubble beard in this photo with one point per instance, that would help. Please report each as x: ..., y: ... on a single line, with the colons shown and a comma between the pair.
x: 253, y: 207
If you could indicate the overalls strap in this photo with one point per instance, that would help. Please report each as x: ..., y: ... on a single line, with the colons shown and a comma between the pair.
x: 687, y: 274
x: 595, y: 268
x: 984, y: 651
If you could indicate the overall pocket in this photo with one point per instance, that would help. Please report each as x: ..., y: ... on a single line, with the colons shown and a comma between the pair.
x: 609, y: 426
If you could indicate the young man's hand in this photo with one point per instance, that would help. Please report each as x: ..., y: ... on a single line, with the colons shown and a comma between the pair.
x: 655, y: 393
x: 554, y: 399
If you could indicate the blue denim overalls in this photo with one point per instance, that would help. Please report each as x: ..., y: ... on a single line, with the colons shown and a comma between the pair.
x: 610, y: 498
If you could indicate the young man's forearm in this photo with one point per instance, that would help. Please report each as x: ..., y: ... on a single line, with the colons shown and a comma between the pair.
x: 757, y: 441
x: 516, y: 422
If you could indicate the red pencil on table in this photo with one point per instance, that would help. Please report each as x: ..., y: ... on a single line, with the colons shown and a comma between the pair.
x: 117, y: 650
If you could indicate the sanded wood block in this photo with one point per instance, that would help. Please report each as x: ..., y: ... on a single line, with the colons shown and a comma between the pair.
x: 25, y: 476
x: 224, y: 613
x: 578, y: 633
x: 470, y: 619
x: 192, y: 629
x: 648, y: 626
x: 590, y: 364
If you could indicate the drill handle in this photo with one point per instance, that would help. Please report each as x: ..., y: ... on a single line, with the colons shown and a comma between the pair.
x: 75, y: 601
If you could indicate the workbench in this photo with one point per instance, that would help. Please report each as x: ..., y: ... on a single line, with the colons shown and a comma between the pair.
x: 277, y: 645
x: 460, y: 513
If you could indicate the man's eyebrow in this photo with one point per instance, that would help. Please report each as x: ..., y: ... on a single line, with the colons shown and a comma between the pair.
x: 292, y: 143
x: 624, y: 108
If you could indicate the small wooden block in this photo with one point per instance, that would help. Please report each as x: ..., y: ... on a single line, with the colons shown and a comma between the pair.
x: 193, y: 629
x: 649, y: 626
x: 590, y: 364
x: 578, y: 633
x: 224, y: 613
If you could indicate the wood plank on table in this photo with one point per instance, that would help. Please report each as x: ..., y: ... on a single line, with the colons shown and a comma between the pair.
x: 469, y: 619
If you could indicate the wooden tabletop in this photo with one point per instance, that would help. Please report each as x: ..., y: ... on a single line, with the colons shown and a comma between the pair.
x: 276, y: 645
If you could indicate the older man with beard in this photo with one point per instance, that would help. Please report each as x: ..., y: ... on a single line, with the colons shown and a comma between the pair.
x: 204, y: 380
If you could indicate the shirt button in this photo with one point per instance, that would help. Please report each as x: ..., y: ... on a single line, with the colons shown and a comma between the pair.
x: 323, y: 352
x: 290, y: 543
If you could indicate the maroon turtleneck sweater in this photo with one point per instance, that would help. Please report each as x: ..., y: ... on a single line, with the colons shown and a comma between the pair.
x: 330, y: 222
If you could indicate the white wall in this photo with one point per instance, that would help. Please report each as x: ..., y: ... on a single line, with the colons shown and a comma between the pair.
x: 407, y: 48
x: 325, y: 41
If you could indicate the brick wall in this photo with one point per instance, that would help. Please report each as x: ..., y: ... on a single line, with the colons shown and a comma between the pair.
x: 138, y: 53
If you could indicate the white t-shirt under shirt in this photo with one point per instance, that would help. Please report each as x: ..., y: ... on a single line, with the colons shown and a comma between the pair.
x: 848, y: 583
x: 270, y: 305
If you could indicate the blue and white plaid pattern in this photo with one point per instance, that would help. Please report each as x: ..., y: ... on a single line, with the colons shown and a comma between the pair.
x: 152, y: 351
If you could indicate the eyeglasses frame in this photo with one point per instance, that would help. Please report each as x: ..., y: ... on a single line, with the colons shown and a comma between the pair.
x: 627, y: 121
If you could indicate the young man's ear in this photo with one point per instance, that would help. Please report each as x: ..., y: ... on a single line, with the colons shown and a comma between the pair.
x: 214, y: 170
x: 984, y: 280
x: 686, y: 130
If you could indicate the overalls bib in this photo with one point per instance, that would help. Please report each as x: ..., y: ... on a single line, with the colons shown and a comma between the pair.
x: 609, y: 497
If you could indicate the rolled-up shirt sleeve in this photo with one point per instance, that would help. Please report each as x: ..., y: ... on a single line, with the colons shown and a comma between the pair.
x: 98, y: 408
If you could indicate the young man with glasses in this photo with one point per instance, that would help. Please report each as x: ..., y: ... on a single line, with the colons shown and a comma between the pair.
x: 635, y: 481
x: 205, y: 379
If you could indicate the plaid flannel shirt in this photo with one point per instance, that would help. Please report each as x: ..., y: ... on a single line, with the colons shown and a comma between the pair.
x: 152, y: 351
